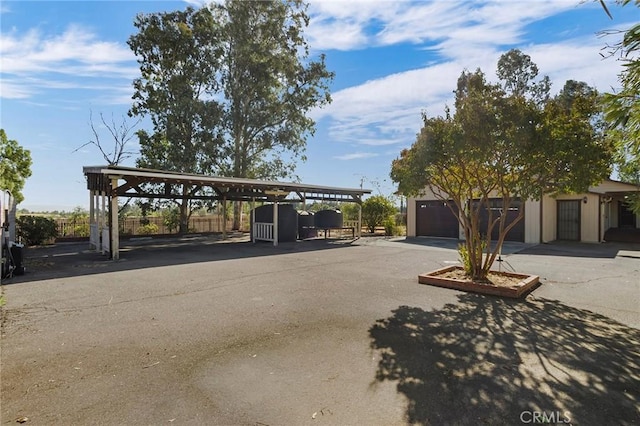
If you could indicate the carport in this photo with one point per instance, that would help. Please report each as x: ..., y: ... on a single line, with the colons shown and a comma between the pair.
x: 107, y: 183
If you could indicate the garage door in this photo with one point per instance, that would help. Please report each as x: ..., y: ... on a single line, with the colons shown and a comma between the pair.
x: 435, y: 219
x: 495, y: 204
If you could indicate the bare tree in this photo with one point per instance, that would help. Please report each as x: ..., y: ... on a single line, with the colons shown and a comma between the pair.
x: 122, y: 134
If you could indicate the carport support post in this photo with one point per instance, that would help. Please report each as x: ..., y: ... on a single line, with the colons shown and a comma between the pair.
x: 92, y: 219
x: 360, y: 219
x: 253, y: 219
x: 224, y: 217
x: 115, y: 227
x: 275, y: 222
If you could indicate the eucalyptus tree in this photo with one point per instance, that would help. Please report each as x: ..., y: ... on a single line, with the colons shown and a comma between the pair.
x: 229, y: 88
x: 508, y: 140
x: 269, y: 83
x: 179, y: 55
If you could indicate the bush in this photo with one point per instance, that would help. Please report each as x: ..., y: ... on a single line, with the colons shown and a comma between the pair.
x: 376, y: 210
x: 390, y: 227
x: 148, y: 229
x: 36, y: 230
x: 81, y: 230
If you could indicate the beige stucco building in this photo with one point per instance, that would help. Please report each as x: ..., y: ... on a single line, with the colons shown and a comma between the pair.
x: 583, y: 217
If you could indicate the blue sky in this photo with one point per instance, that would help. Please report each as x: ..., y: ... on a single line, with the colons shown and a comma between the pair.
x: 392, y: 59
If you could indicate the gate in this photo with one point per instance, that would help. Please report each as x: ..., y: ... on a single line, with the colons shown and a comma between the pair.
x: 568, y: 220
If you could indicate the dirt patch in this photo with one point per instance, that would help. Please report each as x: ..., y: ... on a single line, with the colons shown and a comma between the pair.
x: 494, y: 278
x: 506, y: 284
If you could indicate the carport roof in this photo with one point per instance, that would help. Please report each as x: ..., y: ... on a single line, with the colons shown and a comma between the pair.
x: 137, y: 184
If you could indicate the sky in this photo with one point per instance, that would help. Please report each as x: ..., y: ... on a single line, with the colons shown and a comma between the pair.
x: 61, y: 61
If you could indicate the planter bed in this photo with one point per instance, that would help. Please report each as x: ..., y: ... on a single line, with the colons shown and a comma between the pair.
x: 505, y: 284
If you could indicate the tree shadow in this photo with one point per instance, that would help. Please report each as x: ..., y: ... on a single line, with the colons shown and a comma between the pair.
x: 487, y: 360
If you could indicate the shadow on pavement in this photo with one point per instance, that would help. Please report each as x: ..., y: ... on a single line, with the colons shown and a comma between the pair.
x: 508, y: 247
x: 74, y: 259
x: 486, y: 360
x: 594, y: 250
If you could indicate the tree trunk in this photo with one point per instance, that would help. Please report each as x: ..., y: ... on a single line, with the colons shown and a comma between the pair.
x: 183, y: 227
x: 237, y: 216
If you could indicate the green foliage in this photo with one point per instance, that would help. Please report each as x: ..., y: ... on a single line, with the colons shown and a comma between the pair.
x: 466, y: 260
x: 15, y: 166
x: 507, y: 140
x: 148, y: 229
x: 171, y: 218
x: 239, y: 99
x: 350, y: 211
x: 376, y: 210
x: 178, y: 99
x: 322, y: 205
x: 36, y: 230
x: 622, y: 109
x: 390, y: 227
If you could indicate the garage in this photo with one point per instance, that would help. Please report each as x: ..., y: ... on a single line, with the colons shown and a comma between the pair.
x: 496, y: 206
x: 435, y: 219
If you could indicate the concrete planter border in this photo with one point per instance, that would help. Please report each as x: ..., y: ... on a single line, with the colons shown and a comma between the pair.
x: 522, y: 288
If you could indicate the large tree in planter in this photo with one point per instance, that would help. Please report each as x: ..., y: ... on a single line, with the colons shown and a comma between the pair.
x: 508, y: 141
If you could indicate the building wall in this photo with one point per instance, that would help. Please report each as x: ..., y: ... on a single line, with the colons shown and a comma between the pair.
x: 532, y: 221
x: 595, y: 217
x: 589, y: 216
x: 531, y: 217
x: 411, y: 216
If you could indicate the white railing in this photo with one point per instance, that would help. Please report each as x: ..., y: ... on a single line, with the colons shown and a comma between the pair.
x: 105, y: 240
x: 262, y: 231
x: 94, y: 236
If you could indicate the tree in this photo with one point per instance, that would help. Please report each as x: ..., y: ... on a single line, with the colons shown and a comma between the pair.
x: 237, y: 105
x: 506, y: 140
x: 15, y: 166
x: 622, y: 109
x: 179, y: 56
x: 269, y: 85
x: 376, y: 210
x: 121, y: 133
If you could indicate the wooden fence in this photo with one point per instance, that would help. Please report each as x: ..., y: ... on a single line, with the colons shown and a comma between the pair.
x: 135, y: 226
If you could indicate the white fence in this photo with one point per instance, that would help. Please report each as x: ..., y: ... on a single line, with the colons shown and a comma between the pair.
x: 262, y: 231
x: 105, y: 240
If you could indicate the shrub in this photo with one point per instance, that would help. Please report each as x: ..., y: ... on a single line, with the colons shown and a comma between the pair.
x: 148, y: 229
x: 390, y: 227
x: 376, y: 210
x: 36, y: 230
x: 81, y: 230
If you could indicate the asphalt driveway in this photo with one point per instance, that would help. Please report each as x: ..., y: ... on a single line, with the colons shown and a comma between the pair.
x: 196, y: 331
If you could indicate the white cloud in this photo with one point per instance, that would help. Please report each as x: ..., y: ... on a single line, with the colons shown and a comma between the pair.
x: 75, y: 50
x: 464, y: 35
x: 382, y: 23
x: 355, y: 156
x: 11, y: 89
x: 33, y: 62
